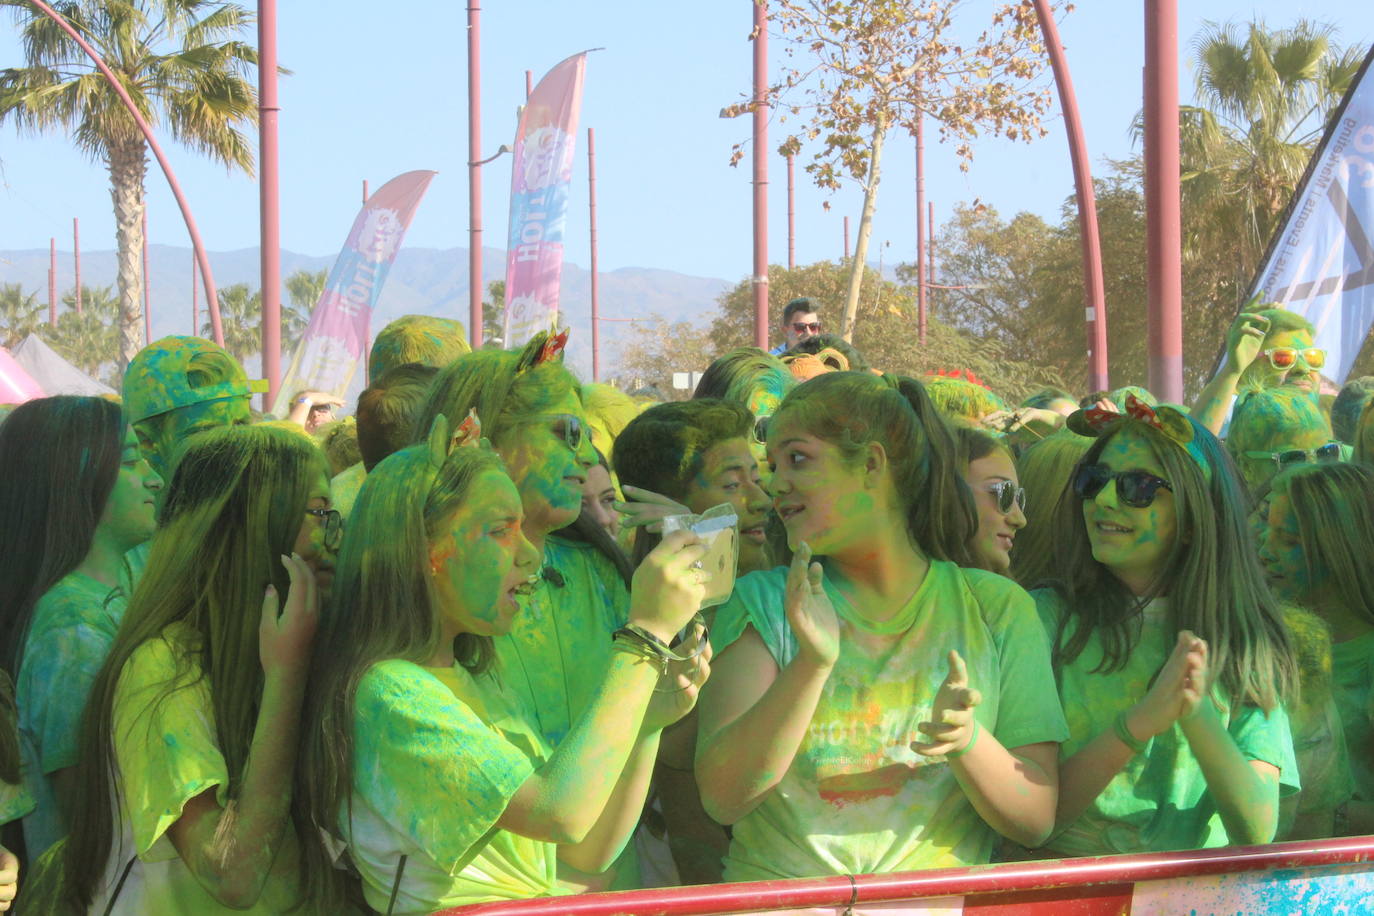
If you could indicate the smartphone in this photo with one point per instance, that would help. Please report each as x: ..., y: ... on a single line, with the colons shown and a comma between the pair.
x: 718, y: 528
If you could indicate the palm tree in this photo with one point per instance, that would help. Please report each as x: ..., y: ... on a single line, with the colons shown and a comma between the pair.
x: 183, y: 65
x: 89, y: 340
x: 303, y: 288
x: 1265, y: 96
x: 241, y: 316
x: 20, y: 314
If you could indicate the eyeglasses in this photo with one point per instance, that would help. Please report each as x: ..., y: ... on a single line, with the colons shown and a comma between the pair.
x: 333, y: 522
x: 1331, y: 451
x: 801, y: 327
x: 1008, y: 495
x: 569, y: 429
x: 760, y: 430
x: 1136, y: 489
x: 1282, y: 358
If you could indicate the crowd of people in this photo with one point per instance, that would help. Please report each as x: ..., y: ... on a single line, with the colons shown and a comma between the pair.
x: 463, y: 646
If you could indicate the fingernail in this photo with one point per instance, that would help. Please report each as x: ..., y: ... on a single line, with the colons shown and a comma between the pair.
x: 271, y: 589
x: 285, y: 559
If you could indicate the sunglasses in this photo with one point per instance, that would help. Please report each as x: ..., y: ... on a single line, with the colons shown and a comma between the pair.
x: 1008, y: 495
x: 760, y: 430
x: 1136, y: 489
x: 801, y: 327
x: 1282, y: 358
x: 1331, y: 451
x: 570, y: 429
x: 333, y: 526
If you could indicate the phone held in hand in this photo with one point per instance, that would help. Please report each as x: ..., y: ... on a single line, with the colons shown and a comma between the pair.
x: 718, y: 528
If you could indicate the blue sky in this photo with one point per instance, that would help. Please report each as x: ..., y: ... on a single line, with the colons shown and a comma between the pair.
x: 375, y: 93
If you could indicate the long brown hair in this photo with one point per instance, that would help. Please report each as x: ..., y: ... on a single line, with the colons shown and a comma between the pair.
x: 235, y: 506
x: 1212, y: 577
x: 59, y: 458
x: 381, y: 607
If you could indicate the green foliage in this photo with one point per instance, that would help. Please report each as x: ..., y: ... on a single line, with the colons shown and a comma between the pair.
x: 653, y: 350
x: 303, y: 289
x: 186, y: 69
x: 89, y: 341
x: 886, y: 333
x: 20, y: 314
x: 493, y: 310
x: 240, y: 312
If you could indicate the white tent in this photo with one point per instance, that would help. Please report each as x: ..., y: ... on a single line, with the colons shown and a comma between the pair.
x: 55, y: 374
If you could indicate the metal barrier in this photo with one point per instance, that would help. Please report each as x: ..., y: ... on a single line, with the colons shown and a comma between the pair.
x: 1333, y: 876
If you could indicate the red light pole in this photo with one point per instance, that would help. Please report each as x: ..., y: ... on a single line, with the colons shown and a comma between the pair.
x: 474, y: 175
x: 1094, y: 294
x: 760, y: 278
x: 52, y: 282
x: 269, y: 202
x: 147, y: 301
x: 791, y: 213
x: 1164, y: 277
x: 920, y: 228
x: 76, y: 257
x: 591, y: 212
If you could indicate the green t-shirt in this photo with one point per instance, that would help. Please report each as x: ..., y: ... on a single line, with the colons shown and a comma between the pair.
x: 69, y: 636
x: 559, y: 648
x: 1159, y: 800
x: 856, y: 798
x: 437, y: 756
x: 166, y: 753
x: 557, y: 652
x: 1352, y: 677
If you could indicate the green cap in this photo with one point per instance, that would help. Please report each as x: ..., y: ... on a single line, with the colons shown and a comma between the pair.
x: 156, y: 381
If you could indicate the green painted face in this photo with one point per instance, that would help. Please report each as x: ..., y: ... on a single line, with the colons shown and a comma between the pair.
x: 598, y: 500
x: 173, y: 427
x: 129, y: 517
x: 310, y: 540
x: 1293, y: 575
x: 548, y: 472
x: 821, y: 498
x: 481, y: 557
x: 1258, y: 471
x: 729, y: 474
x: 1266, y: 376
x: 1133, y: 543
x: 996, y: 529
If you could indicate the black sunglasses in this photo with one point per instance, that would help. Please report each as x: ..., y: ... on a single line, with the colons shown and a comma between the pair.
x: 1331, y: 451
x: 1008, y: 495
x: 1136, y: 489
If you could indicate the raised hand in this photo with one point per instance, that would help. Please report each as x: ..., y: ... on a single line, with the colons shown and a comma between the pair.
x: 1246, y: 336
x: 809, y: 611
x: 667, y: 589
x: 647, y: 509
x: 952, y: 728
x: 9, y: 877
x: 285, y: 638
x: 1178, y: 691
x: 677, y: 690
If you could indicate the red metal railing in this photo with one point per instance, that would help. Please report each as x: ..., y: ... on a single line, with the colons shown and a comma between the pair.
x: 1010, y: 878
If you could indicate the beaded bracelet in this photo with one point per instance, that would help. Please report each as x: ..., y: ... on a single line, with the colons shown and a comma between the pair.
x: 955, y: 755
x: 1123, y: 734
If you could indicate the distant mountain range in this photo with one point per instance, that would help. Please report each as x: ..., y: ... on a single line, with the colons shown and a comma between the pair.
x: 423, y: 280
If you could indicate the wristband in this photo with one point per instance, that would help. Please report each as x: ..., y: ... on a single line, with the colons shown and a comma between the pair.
x: 1123, y: 734
x: 955, y: 755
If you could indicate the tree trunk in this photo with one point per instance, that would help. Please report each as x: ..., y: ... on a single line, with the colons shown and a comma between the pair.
x: 856, y: 270
x: 128, y: 164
